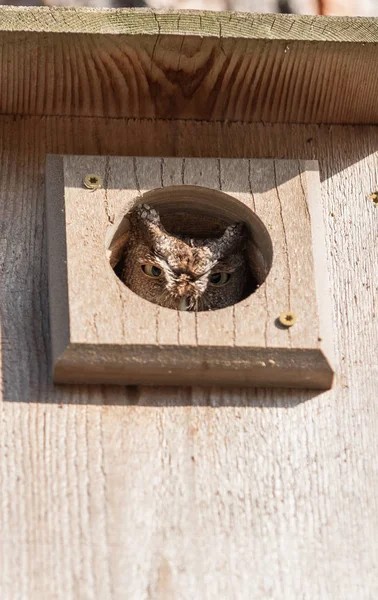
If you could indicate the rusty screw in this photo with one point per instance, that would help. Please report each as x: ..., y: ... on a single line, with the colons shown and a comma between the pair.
x: 374, y: 198
x: 92, y: 182
x: 287, y: 319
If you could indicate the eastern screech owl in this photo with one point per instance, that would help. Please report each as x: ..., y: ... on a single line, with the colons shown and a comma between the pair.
x: 180, y: 272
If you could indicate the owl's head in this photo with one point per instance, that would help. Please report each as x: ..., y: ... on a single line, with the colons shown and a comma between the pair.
x: 180, y: 272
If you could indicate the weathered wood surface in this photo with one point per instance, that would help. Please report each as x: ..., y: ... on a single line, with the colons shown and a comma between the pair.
x: 104, y: 333
x: 183, y: 493
x: 367, y: 8
x: 190, y: 65
x: 191, y: 22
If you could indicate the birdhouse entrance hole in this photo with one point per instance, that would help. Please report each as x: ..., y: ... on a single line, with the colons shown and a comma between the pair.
x: 200, y: 213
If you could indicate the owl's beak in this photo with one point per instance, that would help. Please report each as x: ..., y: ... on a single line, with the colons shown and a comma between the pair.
x: 184, y: 303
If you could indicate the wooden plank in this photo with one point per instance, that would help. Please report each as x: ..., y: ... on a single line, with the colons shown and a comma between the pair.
x: 262, y: 180
x: 107, y: 491
x: 103, y: 332
x: 249, y: 316
x: 188, y: 65
x: 182, y: 328
x: 211, y: 327
x: 296, y: 226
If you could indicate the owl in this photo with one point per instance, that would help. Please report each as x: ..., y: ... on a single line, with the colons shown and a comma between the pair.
x: 184, y: 273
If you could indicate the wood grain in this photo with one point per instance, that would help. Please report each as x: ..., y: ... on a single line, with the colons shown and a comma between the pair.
x: 150, y: 22
x: 102, y: 332
x: 190, y: 65
x: 110, y: 492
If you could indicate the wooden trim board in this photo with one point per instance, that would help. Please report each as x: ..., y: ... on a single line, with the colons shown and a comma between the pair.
x: 103, y: 332
x: 188, y: 65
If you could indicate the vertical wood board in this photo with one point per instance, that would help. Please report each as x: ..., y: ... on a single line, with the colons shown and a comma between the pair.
x: 188, y: 492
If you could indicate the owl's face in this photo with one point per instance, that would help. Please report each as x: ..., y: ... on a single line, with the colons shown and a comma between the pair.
x: 183, y: 273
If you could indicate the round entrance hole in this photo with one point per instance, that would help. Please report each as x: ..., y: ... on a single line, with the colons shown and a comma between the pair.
x: 198, y: 213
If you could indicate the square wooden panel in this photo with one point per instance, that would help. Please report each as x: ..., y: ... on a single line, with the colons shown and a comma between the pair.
x: 101, y: 332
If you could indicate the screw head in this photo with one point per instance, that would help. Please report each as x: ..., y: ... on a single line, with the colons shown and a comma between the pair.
x: 92, y: 182
x: 374, y: 198
x: 287, y: 319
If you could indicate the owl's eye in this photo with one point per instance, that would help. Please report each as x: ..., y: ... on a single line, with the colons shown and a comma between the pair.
x: 219, y: 279
x: 151, y: 270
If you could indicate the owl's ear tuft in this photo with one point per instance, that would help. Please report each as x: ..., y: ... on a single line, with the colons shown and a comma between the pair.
x: 147, y: 214
x: 146, y: 225
x: 145, y: 220
x: 233, y: 239
x: 234, y: 233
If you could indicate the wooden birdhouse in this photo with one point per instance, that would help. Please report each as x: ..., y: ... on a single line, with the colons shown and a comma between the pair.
x: 145, y: 451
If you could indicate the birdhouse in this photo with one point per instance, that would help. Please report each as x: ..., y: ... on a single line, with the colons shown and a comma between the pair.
x: 151, y: 452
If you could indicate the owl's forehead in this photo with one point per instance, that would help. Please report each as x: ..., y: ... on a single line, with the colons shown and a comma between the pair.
x: 185, y: 258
